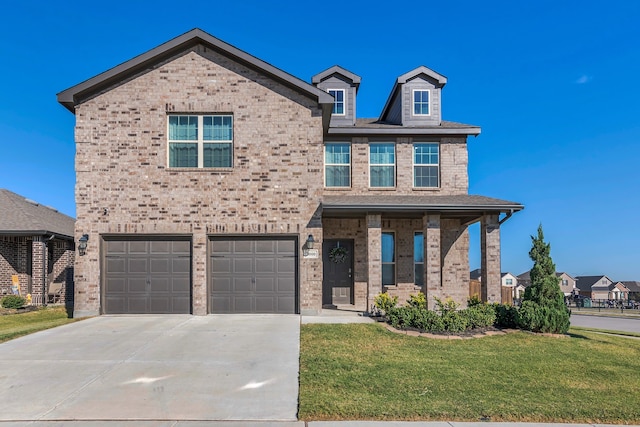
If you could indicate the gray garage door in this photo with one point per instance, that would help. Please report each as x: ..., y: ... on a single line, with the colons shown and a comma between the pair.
x: 253, y: 275
x: 147, y: 276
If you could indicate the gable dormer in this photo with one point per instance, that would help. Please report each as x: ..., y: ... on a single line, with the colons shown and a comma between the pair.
x: 343, y: 86
x: 415, y: 99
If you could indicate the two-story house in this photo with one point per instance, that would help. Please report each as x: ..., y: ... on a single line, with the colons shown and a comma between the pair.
x: 209, y: 181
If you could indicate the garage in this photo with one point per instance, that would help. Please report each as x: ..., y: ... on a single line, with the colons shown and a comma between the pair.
x: 147, y: 276
x: 253, y: 275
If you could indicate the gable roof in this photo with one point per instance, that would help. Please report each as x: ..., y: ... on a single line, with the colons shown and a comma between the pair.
x: 560, y: 273
x: 632, y: 285
x: 439, y: 78
x: 336, y: 69
x: 21, y: 216
x: 148, y: 60
x: 475, y: 274
x: 584, y: 283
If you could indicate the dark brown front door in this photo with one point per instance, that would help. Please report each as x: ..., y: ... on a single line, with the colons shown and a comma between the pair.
x: 337, y: 271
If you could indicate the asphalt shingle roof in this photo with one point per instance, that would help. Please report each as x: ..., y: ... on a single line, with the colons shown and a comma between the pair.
x: 19, y: 215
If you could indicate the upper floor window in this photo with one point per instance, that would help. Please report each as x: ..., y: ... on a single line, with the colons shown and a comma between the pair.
x: 421, y: 103
x: 382, y: 165
x: 509, y: 282
x: 202, y: 141
x: 388, y: 258
x: 426, y: 165
x: 337, y: 165
x: 338, y: 101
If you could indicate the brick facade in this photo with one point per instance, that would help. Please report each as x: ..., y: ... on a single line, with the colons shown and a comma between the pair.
x: 275, y: 186
x: 125, y: 187
x: 38, y: 263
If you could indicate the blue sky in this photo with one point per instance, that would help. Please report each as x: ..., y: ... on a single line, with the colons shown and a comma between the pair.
x: 553, y: 84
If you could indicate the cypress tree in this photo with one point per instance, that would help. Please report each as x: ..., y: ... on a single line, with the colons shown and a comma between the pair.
x: 543, y: 308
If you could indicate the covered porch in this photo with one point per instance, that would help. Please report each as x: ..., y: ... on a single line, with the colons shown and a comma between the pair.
x: 408, y: 244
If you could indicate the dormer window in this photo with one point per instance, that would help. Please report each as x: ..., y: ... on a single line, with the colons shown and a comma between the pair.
x: 421, y: 103
x: 338, y: 103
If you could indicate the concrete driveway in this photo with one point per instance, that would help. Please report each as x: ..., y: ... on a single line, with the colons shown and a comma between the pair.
x: 219, y: 367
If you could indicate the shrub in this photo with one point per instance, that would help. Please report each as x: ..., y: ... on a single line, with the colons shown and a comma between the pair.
x: 385, y: 302
x: 448, y: 306
x: 416, y: 317
x: 480, y: 316
x: 474, y: 300
x: 13, y: 301
x: 419, y: 300
x: 543, y: 308
x: 455, y: 321
x: 542, y: 318
x: 506, y: 316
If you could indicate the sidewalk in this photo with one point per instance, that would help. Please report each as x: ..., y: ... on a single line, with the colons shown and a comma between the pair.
x: 160, y: 423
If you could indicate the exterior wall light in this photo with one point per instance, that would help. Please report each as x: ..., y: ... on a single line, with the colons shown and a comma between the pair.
x: 310, y: 241
x: 307, y: 248
x: 82, y: 244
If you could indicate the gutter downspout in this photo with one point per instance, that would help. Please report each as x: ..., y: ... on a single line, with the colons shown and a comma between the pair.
x: 506, y: 217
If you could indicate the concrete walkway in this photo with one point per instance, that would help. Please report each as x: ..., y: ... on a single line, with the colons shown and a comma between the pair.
x: 169, y: 368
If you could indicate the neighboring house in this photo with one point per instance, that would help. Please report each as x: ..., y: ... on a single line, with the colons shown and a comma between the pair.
x: 602, y: 288
x: 36, y: 248
x: 510, y: 281
x: 209, y: 181
x: 618, y: 291
x: 634, y: 289
x: 475, y: 274
x: 567, y: 283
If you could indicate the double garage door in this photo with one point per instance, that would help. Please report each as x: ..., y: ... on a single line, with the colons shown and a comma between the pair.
x: 153, y: 276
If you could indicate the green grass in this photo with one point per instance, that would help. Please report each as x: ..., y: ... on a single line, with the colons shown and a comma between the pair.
x: 604, y: 331
x: 17, y: 325
x: 365, y: 372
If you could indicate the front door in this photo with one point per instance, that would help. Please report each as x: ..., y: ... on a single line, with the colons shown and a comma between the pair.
x: 337, y: 272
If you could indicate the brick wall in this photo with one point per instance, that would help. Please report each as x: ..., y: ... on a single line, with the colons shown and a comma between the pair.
x: 451, y: 262
x: 453, y: 166
x: 13, y: 260
x: 15, y: 254
x: 124, y: 185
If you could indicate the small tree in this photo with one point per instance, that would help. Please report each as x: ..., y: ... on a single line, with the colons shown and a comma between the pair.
x: 543, y: 308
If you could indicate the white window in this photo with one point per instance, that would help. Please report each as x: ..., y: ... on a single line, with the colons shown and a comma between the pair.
x: 388, y: 258
x: 382, y: 165
x: 418, y: 258
x: 203, y: 141
x: 426, y: 165
x: 338, y: 101
x: 509, y: 282
x: 337, y: 165
x: 421, y: 102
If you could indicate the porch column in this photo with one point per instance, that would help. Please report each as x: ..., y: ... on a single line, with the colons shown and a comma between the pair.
x: 432, y: 257
x: 490, y: 259
x: 374, y: 254
x: 38, y: 270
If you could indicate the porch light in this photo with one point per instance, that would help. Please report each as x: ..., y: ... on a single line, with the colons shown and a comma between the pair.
x: 310, y: 241
x: 82, y: 244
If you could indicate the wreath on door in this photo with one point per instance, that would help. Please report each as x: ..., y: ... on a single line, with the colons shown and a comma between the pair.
x: 338, y: 254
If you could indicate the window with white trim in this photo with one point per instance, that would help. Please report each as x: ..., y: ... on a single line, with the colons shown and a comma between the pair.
x: 426, y: 165
x: 421, y: 102
x: 509, y: 282
x: 338, y: 101
x: 200, y: 141
x: 337, y: 165
x: 382, y: 165
x: 388, y: 258
x: 418, y: 258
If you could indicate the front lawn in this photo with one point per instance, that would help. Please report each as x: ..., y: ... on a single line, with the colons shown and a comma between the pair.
x: 364, y: 372
x: 17, y: 325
